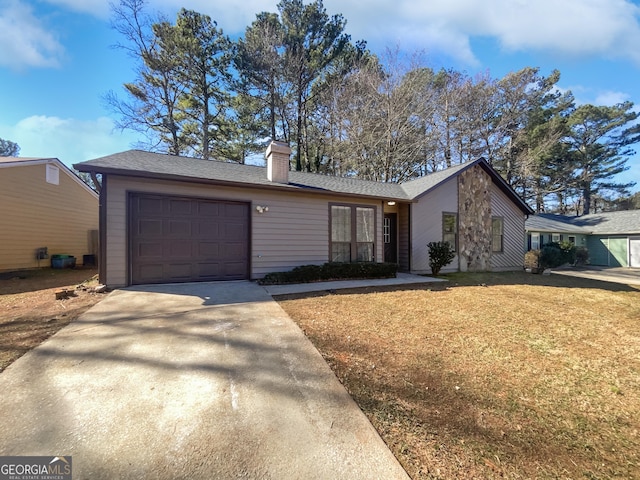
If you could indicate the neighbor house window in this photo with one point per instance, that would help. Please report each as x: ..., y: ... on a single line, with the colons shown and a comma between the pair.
x: 555, y: 237
x: 352, y: 233
x: 450, y: 229
x: 572, y: 239
x: 535, y: 241
x: 497, y: 232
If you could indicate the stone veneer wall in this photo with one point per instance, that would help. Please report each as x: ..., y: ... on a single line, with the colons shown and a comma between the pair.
x: 474, y: 220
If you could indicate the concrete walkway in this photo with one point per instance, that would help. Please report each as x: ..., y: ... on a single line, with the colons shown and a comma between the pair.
x: 197, y: 381
x: 401, y: 279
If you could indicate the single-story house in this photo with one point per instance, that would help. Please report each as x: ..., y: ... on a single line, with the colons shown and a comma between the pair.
x: 45, y: 209
x: 174, y: 219
x: 612, y: 238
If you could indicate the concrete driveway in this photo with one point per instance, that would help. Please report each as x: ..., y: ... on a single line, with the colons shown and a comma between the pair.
x: 624, y: 275
x: 198, y: 381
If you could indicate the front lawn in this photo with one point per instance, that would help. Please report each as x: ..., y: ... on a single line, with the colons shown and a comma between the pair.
x: 30, y: 312
x: 491, y: 375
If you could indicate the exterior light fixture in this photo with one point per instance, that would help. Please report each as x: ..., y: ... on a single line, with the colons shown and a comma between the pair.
x: 262, y: 209
x: 391, y: 204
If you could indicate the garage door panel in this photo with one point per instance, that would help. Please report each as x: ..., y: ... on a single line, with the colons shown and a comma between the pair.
x: 235, y: 210
x: 210, y: 230
x: 149, y: 227
x: 209, y: 249
x: 179, y: 227
x: 150, y: 250
x: 234, y: 270
x: 179, y: 271
x: 187, y: 239
x: 234, y: 231
x: 233, y: 250
x: 206, y: 270
x: 151, y: 206
x: 180, y: 207
x: 180, y: 249
x: 153, y: 272
x: 208, y: 209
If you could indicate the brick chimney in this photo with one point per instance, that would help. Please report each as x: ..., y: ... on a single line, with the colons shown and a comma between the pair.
x: 278, y: 155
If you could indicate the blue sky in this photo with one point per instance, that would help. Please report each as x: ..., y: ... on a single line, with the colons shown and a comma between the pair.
x: 56, y: 59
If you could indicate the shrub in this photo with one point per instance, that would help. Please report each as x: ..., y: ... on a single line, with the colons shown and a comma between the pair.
x: 550, y: 256
x: 582, y: 256
x: 331, y: 271
x: 568, y: 252
x: 532, y: 261
x: 555, y: 254
x: 441, y: 254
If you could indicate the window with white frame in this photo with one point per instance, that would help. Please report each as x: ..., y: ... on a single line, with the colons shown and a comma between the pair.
x: 352, y: 233
x: 555, y: 237
x: 535, y: 241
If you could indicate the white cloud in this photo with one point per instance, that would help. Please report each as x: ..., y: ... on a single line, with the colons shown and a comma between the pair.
x: 24, y: 40
x: 70, y: 140
x: 610, y: 98
x: 97, y: 8
x: 609, y: 28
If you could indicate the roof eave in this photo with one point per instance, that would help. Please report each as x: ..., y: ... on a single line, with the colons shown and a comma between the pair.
x: 291, y: 188
x: 505, y: 187
x: 497, y: 179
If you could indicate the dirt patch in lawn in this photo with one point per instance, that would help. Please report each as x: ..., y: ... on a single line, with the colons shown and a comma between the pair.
x: 29, y: 311
x: 491, y: 376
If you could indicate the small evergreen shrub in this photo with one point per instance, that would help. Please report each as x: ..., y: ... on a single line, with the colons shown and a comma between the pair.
x: 582, y: 256
x: 550, y: 256
x: 331, y: 271
x: 555, y: 254
x: 441, y: 254
x: 568, y: 252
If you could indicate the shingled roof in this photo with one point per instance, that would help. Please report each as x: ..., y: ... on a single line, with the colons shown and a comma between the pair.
x: 139, y: 163
x: 607, y: 223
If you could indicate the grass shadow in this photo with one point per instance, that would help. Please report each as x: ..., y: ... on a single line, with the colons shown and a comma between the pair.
x: 23, y: 281
x: 483, y: 279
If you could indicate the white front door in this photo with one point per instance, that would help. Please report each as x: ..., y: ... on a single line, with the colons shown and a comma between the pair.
x: 634, y: 252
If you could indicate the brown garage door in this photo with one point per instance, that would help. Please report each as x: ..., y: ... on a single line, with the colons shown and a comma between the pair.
x: 176, y: 239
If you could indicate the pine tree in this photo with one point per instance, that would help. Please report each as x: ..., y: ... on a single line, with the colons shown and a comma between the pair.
x: 600, y: 140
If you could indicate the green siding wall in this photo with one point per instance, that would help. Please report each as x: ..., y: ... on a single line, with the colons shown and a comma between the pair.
x: 608, y: 251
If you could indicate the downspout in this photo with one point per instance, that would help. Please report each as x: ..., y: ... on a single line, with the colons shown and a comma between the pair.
x: 102, y: 232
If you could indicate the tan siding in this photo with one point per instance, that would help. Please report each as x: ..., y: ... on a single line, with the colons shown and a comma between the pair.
x: 426, y: 224
x: 34, y: 214
x: 512, y: 258
x: 295, y: 230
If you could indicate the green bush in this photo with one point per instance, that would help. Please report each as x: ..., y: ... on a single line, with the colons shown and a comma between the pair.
x: 331, y: 271
x: 568, y: 252
x: 555, y: 254
x: 441, y: 254
x: 582, y: 256
x: 550, y: 256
